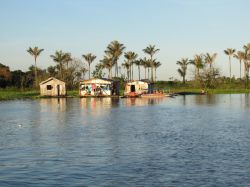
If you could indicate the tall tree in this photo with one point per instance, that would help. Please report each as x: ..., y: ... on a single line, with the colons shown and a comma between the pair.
x: 89, y: 58
x: 126, y: 65
x: 183, y: 63
x: 198, y: 63
x: 246, y: 60
x: 107, y: 63
x: 139, y: 63
x: 229, y: 52
x: 210, y: 58
x: 131, y: 57
x: 115, y: 50
x: 151, y: 51
x: 239, y: 56
x: 155, y: 66
x: 67, y: 59
x: 35, y: 52
x: 59, y: 57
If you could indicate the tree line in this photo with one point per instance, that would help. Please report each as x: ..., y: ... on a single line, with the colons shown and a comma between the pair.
x: 206, y: 74
x: 71, y: 70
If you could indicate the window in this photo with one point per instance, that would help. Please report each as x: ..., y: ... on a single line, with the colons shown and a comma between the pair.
x: 49, y: 87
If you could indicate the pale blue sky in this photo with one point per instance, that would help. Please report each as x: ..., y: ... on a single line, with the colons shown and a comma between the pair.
x: 180, y: 28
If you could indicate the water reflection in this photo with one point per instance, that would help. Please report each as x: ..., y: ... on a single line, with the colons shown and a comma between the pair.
x: 98, y: 106
x: 205, y: 99
x: 54, y: 104
x: 142, y: 101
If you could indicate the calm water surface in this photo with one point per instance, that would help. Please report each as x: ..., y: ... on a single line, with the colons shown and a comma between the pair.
x: 185, y: 141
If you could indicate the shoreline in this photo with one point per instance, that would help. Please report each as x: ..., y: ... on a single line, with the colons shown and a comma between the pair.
x: 8, y: 94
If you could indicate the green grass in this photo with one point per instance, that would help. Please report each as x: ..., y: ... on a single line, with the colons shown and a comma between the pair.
x: 73, y: 93
x: 10, y: 94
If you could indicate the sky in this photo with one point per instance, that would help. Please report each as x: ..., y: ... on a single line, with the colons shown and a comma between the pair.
x: 179, y: 28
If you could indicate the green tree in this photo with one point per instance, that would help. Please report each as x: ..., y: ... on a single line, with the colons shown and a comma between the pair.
x: 107, y: 63
x: 210, y: 58
x: 97, y: 73
x: 151, y: 51
x: 89, y: 58
x: 139, y: 63
x: 183, y: 63
x: 59, y: 57
x: 155, y: 66
x: 131, y: 57
x: 115, y: 50
x: 35, y: 52
x: 239, y: 56
x: 126, y: 65
x: 198, y: 63
x: 229, y: 52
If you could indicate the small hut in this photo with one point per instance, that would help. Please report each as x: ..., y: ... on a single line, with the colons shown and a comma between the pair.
x: 99, y: 87
x: 52, y: 87
x: 138, y: 87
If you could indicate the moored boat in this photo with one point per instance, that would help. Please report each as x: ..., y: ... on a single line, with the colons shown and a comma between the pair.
x: 153, y: 95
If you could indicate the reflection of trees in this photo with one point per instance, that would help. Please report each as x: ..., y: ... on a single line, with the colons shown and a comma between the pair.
x: 205, y: 99
x: 247, y: 100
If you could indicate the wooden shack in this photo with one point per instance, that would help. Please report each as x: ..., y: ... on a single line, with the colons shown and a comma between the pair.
x: 52, y: 87
x: 99, y: 87
x: 138, y: 87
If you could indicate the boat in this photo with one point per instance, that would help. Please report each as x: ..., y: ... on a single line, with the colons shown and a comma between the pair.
x: 150, y: 95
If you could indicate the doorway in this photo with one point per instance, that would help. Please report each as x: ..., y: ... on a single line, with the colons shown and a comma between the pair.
x: 58, y: 90
x: 132, y: 88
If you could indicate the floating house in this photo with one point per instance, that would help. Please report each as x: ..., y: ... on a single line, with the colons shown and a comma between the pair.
x: 136, y: 88
x: 99, y: 87
x: 52, y: 87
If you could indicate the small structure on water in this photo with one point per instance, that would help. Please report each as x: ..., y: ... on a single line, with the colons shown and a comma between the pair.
x: 137, y: 88
x: 52, y: 87
x: 99, y: 87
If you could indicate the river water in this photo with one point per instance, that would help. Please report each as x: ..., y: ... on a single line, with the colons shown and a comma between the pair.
x: 182, y: 141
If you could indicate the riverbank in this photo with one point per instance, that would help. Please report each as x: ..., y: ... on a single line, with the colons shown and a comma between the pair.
x: 10, y: 94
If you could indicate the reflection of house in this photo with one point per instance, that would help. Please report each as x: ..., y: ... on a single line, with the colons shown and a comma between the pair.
x: 138, y: 87
x: 99, y: 87
x: 52, y: 87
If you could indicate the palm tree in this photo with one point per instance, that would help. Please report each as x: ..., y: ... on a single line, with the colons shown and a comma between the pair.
x: 198, y: 63
x: 150, y: 50
x: 139, y: 63
x: 210, y: 58
x: 131, y: 57
x: 156, y: 65
x: 240, y: 57
x: 184, y: 62
x: 67, y: 59
x: 229, y: 52
x: 89, y: 59
x: 146, y: 64
x: 59, y: 57
x: 35, y: 52
x: 246, y: 60
x: 126, y: 65
x: 108, y: 64
x: 83, y: 71
x: 115, y: 50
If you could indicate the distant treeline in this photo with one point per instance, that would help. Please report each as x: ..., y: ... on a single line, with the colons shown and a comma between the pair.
x: 71, y: 70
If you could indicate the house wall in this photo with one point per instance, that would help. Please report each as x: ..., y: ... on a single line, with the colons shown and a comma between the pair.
x: 90, y: 92
x: 140, y: 87
x: 53, y: 92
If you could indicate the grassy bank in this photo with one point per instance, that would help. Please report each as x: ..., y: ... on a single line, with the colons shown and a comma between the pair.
x: 9, y: 94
